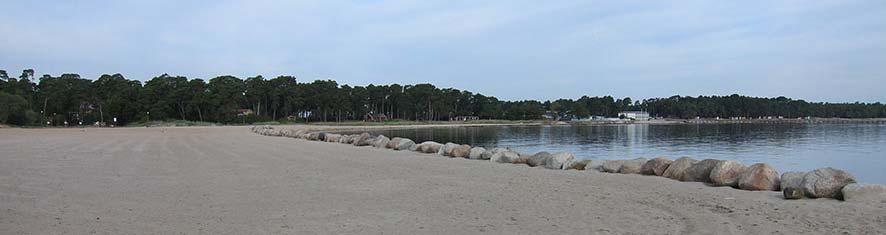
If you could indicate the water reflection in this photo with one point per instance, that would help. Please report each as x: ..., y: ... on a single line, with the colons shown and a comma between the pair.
x: 854, y: 147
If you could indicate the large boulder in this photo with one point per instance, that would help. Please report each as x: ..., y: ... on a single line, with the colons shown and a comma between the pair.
x: 793, y: 181
x: 381, y: 141
x: 461, y: 151
x: 393, y: 143
x: 428, y: 147
x: 506, y: 156
x: 332, y: 138
x: 476, y: 153
x: 537, y: 159
x: 577, y: 164
x: 299, y: 134
x: 313, y: 136
x: 632, y: 166
x: 726, y: 173
x: 656, y: 166
x: 612, y: 166
x: 759, y: 177
x: 446, y: 150
x: 489, y: 152
x: 677, y: 168
x: 826, y: 183
x: 522, y: 159
x: 317, y: 136
x: 404, y: 144
x: 792, y: 193
x: 558, y: 161
x: 287, y: 132
x: 363, y: 140
x: 871, y: 193
x: 700, y: 171
x: 346, y: 139
x: 595, y: 165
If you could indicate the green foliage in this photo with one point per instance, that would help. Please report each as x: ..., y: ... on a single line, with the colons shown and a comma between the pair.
x: 753, y: 107
x: 15, y: 110
x: 231, y: 100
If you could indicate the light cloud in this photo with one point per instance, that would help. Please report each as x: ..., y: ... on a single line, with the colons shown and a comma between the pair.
x: 820, y: 50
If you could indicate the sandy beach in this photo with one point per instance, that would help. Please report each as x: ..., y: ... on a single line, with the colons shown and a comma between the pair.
x: 228, y: 180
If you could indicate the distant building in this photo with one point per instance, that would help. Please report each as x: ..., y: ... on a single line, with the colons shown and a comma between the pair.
x: 375, y: 117
x: 244, y: 112
x: 634, y: 115
x: 464, y: 118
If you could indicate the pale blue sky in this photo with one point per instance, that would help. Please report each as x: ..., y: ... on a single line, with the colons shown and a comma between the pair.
x: 814, y: 50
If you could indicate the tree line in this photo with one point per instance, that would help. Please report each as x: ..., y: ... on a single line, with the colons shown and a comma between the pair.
x: 69, y: 98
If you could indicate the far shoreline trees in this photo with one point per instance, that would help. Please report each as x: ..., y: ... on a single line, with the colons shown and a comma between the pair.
x: 228, y: 99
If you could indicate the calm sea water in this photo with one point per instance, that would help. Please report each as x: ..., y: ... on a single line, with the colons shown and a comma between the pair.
x: 857, y: 148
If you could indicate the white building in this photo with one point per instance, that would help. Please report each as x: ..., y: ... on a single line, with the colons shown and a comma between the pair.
x: 634, y: 115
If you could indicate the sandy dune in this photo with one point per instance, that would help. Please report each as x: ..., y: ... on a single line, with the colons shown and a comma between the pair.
x: 227, y: 180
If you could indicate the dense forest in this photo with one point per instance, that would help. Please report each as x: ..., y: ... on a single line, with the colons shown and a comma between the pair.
x: 48, y: 100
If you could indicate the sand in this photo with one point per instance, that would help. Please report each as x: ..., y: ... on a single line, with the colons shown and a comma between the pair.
x: 227, y: 180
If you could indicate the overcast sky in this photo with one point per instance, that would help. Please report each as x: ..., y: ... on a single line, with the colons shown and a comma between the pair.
x: 814, y: 50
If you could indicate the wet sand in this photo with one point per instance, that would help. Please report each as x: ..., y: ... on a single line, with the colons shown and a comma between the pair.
x: 228, y: 180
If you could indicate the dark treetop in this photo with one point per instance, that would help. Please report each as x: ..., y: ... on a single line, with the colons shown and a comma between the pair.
x: 226, y: 99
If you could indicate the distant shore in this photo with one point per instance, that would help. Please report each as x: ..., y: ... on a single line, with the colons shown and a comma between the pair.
x: 407, y: 124
x: 736, y: 121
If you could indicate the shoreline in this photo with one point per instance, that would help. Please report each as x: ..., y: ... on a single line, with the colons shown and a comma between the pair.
x: 442, y: 124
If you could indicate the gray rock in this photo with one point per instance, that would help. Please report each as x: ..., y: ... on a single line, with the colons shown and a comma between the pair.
x: 477, y: 153
x: 488, y: 154
x: 332, y: 138
x: 460, y: 151
x: 363, y: 140
x: 537, y: 159
x: 577, y: 164
x: 792, y: 193
x: 759, y: 177
x: 273, y: 132
x: 393, y: 143
x: 446, y: 150
x: 301, y: 134
x: 595, y: 165
x: 313, y: 136
x: 656, y: 166
x: 404, y: 144
x: 521, y: 159
x: 381, y: 141
x: 317, y: 136
x: 792, y: 179
x: 346, y: 139
x: 612, y: 166
x: 506, y: 156
x: 290, y: 133
x: 727, y: 173
x: 870, y: 193
x: 632, y: 166
x: 826, y: 183
x: 428, y: 147
x: 677, y: 168
x: 306, y: 134
x: 700, y: 171
x: 558, y: 161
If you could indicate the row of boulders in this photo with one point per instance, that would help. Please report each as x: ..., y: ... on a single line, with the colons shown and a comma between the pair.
x: 820, y: 183
x: 828, y: 183
x: 500, y: 155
